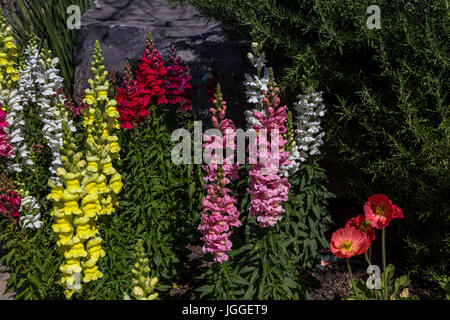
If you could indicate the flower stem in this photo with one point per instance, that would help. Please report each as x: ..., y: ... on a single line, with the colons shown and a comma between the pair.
x: 367, y: 259
x: 383, y: 252
x: 351, y: 276
x: 368, y: 256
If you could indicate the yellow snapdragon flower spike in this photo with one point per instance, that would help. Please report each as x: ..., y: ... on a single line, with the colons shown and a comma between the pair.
x: 143, y: 284
x: 66, y: 209
x: 90, y: 184
x: 9, y: 74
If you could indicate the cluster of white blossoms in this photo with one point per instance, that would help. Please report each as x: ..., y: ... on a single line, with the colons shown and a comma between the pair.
x: 14, y: 116
x: 255, y: 84
x: 308, y: 132
x: 39, y: 85
x: 29, y: 213
x: 294, y: 163
x: 258, y: 59
x: 50, y: 101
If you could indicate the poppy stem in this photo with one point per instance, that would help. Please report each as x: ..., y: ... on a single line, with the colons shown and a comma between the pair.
x: 351, y: 276
x: 367, y: 259
x: 369, y: 262
x: 383, y: 251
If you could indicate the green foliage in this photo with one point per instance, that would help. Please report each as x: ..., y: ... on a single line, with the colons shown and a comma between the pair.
x: 444, y: 283
x: 49, y: 20
x: 33, y: 260
x: 388, y: 108
x: 159, y: 203
x: 270, y: 263
x: 307, y: 208
x: 143, y: 283
x: 396, y: 290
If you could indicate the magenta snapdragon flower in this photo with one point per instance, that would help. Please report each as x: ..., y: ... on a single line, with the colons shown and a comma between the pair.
x: 177, y: 83
x: 6, y: 149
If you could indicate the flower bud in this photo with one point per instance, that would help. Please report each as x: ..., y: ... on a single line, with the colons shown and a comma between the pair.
x: 138, y: 292
x: 153, y: 282
x: 142, y: 280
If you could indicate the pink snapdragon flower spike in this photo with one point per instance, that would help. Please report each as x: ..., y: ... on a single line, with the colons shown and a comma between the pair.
x: 220, y: 211
x: 267, y: 188
x: 6, y: 149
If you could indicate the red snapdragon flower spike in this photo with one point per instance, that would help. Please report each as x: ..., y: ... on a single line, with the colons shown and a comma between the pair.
x: 151, y: 74
x: 360, y: 223
x: 9, y: 203
x: 379, y: 210
x: 132, y: 101
x: 348, y: 242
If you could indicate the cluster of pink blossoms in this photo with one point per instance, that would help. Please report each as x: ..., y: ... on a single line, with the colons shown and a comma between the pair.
x: 267, y: 188
x: 219, y: 206
x: 75, y: 110
x: 6, y: 149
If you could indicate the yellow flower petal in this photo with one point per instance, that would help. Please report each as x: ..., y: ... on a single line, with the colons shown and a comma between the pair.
x: 89, y: 99
x: 92, y: 274
x: 76, y: 251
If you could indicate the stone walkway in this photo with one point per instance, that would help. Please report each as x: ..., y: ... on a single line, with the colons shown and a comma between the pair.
x: 4, y: 275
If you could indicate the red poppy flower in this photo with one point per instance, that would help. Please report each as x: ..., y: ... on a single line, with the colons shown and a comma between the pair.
x: 379, y: 210
x: 398, y: 213
x: 348, y: 242
x: 360, y: 223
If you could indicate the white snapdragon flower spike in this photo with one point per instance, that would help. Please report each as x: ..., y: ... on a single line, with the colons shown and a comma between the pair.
x: 14, y: 116
x: 254, y: 87
x: 17, y: 100
x: 309, y: 134
x: 294, y: 163
x: 29, y: 213
x: 49, y: 83
x: 257, y: 62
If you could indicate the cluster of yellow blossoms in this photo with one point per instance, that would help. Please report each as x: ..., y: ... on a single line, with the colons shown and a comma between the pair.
x: 143, y: 285
x: 90, y: 183
x: 9, y: 74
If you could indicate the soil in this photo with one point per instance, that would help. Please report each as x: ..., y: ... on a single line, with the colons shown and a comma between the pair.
x: 331, y: 283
